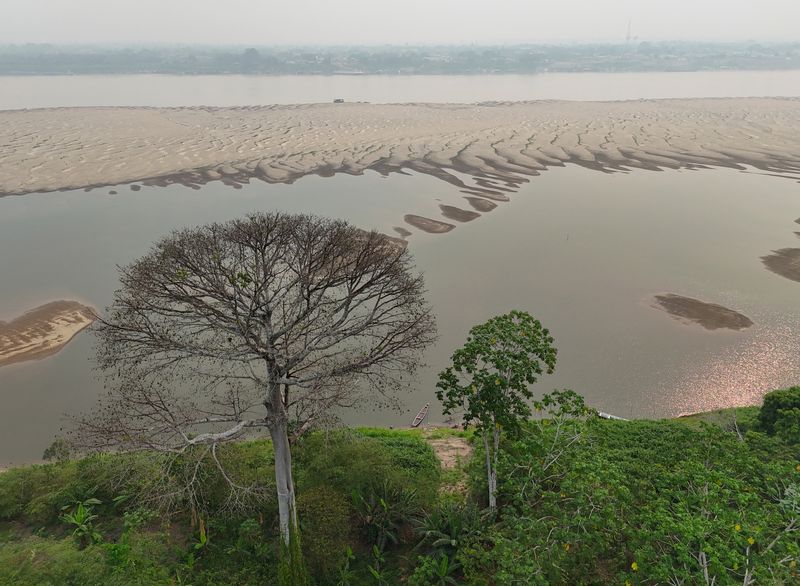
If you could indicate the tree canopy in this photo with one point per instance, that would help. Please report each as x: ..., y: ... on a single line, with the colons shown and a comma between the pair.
x: 491, y: 374
x: 270, y: 322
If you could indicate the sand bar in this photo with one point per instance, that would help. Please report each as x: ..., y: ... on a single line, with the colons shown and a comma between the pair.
x: 428, y: 225
x: 784, y: 262
x: 480, y: 204
x: 70, y: 148
x: 42, y: 331
x: 500, y: 145
x: 711, y: 316
x: 458, y: 214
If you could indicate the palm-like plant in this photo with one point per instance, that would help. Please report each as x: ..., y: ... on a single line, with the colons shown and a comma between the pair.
x: 376, y: 569
x: 443, y: 571
x: 448, y: 526
x: 434, y: 571
x: 82, y: 519
x: 345, y: 572
x: 383, y: 510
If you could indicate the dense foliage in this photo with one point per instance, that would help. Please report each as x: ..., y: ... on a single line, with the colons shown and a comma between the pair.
x: 642, y: 502
x: 780, y: 414
x: 713, y: 497
x: 123, y: 539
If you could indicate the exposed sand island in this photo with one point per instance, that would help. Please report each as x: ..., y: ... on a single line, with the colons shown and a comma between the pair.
x: 708, y: 315
x: 499, y: 144
x: 784, y: 262
x: 42, y: 331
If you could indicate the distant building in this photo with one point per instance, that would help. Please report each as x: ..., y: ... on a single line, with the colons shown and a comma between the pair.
x: 338, y: 101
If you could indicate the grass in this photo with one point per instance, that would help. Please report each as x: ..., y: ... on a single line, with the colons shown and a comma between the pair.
x: 745, y: 418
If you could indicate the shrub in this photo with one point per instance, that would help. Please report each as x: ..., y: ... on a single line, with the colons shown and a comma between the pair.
x: 38, y: 494
x: 234, y: 551
x: 35, y: 561
x: 59, y: 451
x: 643, y: 502
x: 406, y: 450
x: 325, y: 524
x: 81, y: 520
x: 348, y: 461
x: 782, y: 400
x: 49, y: 488
x: 141, y: 558
x: 383, y: 511
x: 432, y: 571
x: 787, y: 425
x: 340, y: 460
x: 12, y: 493
x: 446, y: 528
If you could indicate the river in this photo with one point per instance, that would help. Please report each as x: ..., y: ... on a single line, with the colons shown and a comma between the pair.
x: 581, y: 250
x: 243, y: 90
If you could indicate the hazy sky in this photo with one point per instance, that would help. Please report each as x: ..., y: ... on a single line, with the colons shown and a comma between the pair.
x: 265, y: 22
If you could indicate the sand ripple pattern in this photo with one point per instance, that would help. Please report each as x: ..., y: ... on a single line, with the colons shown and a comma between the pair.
x: 42, y: 331
x: 499, y: 144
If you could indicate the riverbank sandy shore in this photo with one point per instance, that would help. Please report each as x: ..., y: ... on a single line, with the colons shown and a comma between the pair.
x: 42, y: 331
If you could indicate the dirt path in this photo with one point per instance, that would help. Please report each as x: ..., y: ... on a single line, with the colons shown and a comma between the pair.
x: 453, y: 453
x: 451, y: 450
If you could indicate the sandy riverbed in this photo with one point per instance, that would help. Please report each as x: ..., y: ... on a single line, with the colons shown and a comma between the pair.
x: 784, y: 262
x: 42, y: 331
x: 501, y: 144
x: 710, y: 316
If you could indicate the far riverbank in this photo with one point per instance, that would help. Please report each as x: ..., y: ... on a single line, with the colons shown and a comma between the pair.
x: 52, y: 91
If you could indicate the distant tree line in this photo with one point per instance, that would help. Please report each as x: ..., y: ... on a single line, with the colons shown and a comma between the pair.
x: 44, y: 59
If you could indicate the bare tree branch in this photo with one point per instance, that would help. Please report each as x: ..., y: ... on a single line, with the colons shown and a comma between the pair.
x: 251, y: 324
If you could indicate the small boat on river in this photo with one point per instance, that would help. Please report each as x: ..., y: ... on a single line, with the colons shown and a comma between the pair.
x: 423, y: 413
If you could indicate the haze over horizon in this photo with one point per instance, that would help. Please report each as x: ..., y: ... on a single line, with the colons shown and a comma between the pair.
x: 358, y: 22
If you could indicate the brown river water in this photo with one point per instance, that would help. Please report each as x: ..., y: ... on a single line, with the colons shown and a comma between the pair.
x: 583, y: 251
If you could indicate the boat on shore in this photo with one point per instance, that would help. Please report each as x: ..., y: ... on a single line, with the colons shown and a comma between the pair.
x: 423, y: 413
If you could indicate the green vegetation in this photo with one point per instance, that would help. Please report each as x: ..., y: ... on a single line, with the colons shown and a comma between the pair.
x: 743, y: 418
x: 93, y: 521
x: 642, y: 502
x: 580, y: 501
x: 491, y: 377
x: 552, y: 495
x: 780, y: 414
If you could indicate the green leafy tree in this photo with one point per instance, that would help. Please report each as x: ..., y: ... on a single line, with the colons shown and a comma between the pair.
x: 59, y: 451
x: 778, y: 404
x: 787, y: 426
x: 491, y: 378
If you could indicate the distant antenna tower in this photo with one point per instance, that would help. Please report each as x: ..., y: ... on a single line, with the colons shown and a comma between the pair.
x: 628, y: 36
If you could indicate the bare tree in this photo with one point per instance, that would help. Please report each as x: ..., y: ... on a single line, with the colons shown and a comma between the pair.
x: 263, y: 322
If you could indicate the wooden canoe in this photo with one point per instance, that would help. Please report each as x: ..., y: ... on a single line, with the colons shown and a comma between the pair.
x: 423, y: 413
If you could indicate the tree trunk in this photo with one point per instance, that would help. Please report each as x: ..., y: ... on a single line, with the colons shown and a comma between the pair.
x: 490, y: 473
x: 494, y: 461
x: 284, y: 483
x: 291, y: 570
